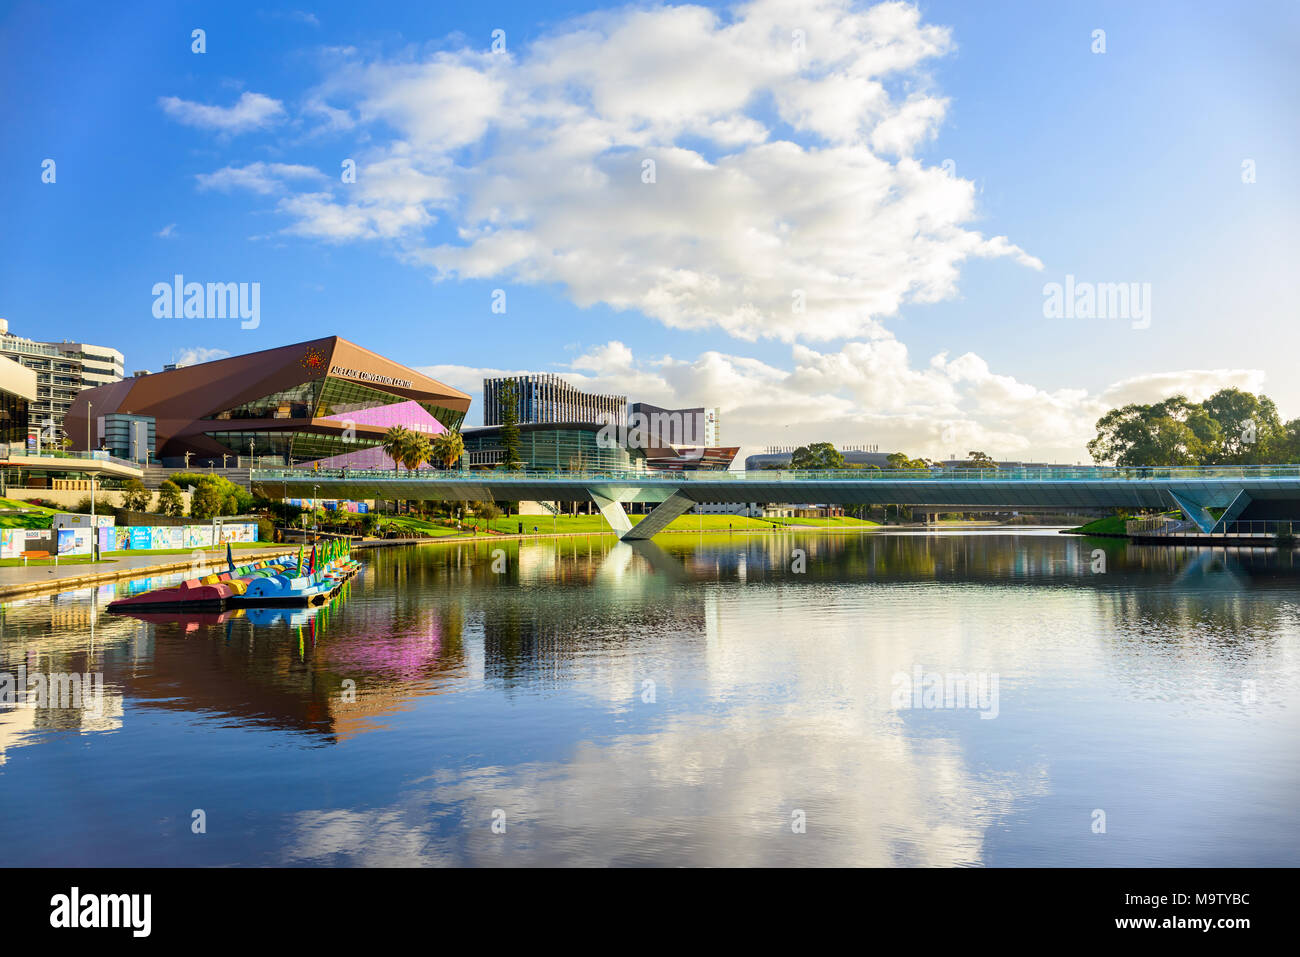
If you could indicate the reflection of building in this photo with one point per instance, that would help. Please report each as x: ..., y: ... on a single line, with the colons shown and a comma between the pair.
x: 544, y: 397
x: 326, y: 400
x: 62, y: 370
x: 17, y: 393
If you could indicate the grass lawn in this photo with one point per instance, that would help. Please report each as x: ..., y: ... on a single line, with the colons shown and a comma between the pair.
x: 1110, y: 525
x: 837, y: 521
x: 38, y: 515
x: 63, y: 560
x: 236, y: 546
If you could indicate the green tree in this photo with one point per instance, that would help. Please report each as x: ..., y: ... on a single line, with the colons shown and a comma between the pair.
x: 1249, y: 427
x: 511, y: 459
x: 208, y: 498
x: 977, y: 460
x: 901, y: 460
x: 818, y: 455
x: 418, y: 451
x: 396, y: 444
x: 135, y: 497
x: 448, y: 447
x: 170, y: 501
x: 1171, y: 432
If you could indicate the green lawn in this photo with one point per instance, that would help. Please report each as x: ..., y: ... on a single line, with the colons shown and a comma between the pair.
x: 63, y: 560
x: 1110, y: 525
x: 38, y: 515
x: 838, y: 521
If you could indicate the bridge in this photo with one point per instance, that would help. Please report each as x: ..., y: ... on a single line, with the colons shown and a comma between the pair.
x: 1210, y: 497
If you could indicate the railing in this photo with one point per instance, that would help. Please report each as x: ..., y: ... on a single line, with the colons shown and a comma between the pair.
x: 1049, y: 474
x: 95, y: 456
x: 1250, y: 528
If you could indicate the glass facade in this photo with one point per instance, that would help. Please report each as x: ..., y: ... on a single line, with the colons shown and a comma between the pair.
x: 341, y: 397
x: 295, y: 403
x: 14, y: 412
x: 564, y: 450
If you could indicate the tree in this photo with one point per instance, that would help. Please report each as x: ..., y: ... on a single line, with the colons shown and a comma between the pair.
x: 448, y: 447
x: 1249, y: 427
x: 508, y: 396
x: 1172, y: 432
x: 396, y: 443
x: 977, y: 460
x: 901, y: 460
x: 818, y: 455
x: 207, y: 499
x: 418, y: 451
x: 170, y: 501
x: 136, y: 497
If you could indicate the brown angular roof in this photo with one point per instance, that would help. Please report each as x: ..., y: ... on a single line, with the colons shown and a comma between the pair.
x: 180, y: 398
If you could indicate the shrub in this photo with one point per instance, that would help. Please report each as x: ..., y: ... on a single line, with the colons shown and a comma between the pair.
x: 170, y: 501
x: 136, y: 497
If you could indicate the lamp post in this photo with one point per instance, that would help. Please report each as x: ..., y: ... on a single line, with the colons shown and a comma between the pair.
x: 315, y: 490
x: 224, y: 456
x: 94, y: 528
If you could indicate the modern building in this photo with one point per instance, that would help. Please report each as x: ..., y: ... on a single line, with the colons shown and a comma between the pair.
x: 560, y: 446
x: 17, y: 393
x: 779, y: 458
x: 546, y: 398
x: 63, y: 370
x: 130, y: 437
x: 684, y: 427
x: 327, y: 400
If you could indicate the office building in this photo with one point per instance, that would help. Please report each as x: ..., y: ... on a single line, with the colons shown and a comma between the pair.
x: 548, y: 399
x: 63, y: 370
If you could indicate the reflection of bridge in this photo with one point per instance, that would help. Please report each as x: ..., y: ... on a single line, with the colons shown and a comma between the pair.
x: 1209, y: 497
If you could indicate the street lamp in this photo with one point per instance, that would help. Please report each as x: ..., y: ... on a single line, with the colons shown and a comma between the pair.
x: 224, y: 456
x: 94, y: 528
x: 314, y: 525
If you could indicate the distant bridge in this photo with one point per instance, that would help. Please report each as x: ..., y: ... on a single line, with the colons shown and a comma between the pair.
x: 1241, y: 492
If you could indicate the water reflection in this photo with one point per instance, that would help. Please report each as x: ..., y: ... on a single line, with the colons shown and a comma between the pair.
x: 680, y: 702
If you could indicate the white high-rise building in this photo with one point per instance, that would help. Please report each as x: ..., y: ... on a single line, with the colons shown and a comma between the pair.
x: 62, y: 370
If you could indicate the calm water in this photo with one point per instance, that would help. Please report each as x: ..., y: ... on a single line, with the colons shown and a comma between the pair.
x: 684, y: 702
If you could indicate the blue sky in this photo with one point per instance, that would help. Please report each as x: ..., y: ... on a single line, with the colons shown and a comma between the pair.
x: 479, y: 174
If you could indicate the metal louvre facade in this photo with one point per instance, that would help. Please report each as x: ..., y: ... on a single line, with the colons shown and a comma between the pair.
x: 545, y: 398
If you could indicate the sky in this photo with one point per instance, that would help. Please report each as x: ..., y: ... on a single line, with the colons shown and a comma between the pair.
x: 834, y: 221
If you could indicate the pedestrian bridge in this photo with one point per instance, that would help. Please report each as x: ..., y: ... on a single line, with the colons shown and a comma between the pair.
x: 1210, y: 497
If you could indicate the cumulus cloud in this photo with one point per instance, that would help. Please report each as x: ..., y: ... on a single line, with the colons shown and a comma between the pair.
x: 870, y: 392
x: 196, y: 354
x: 251, y: 111
x: 748, y: 169
x: 257, y: 177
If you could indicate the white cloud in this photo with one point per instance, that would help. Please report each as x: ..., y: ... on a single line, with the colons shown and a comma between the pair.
x: 196, y: 354
x: 167, y: 231
x: 251, y: 111
x: 783, y: 169
x: 258, y: 177
x: 869, y: 392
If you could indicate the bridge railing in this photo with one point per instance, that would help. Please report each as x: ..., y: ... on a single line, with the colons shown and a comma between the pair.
x: 1091, y: 473
x: 1162, y: 527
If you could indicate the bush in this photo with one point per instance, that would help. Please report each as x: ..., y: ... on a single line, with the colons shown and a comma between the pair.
x: 136, y: 497
x: 103, y: 506
x: 170, y: 501
x: 265, y: 530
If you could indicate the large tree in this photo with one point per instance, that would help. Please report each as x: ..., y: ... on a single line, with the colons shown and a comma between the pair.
x: 818, y: 455
x: 510, y: 442
x: 1172, y: 432
x: 448, y: 447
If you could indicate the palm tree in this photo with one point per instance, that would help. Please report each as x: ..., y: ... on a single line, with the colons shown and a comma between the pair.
x: 417, y: 451
x: 396, y: 442
x: 448, y: 447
